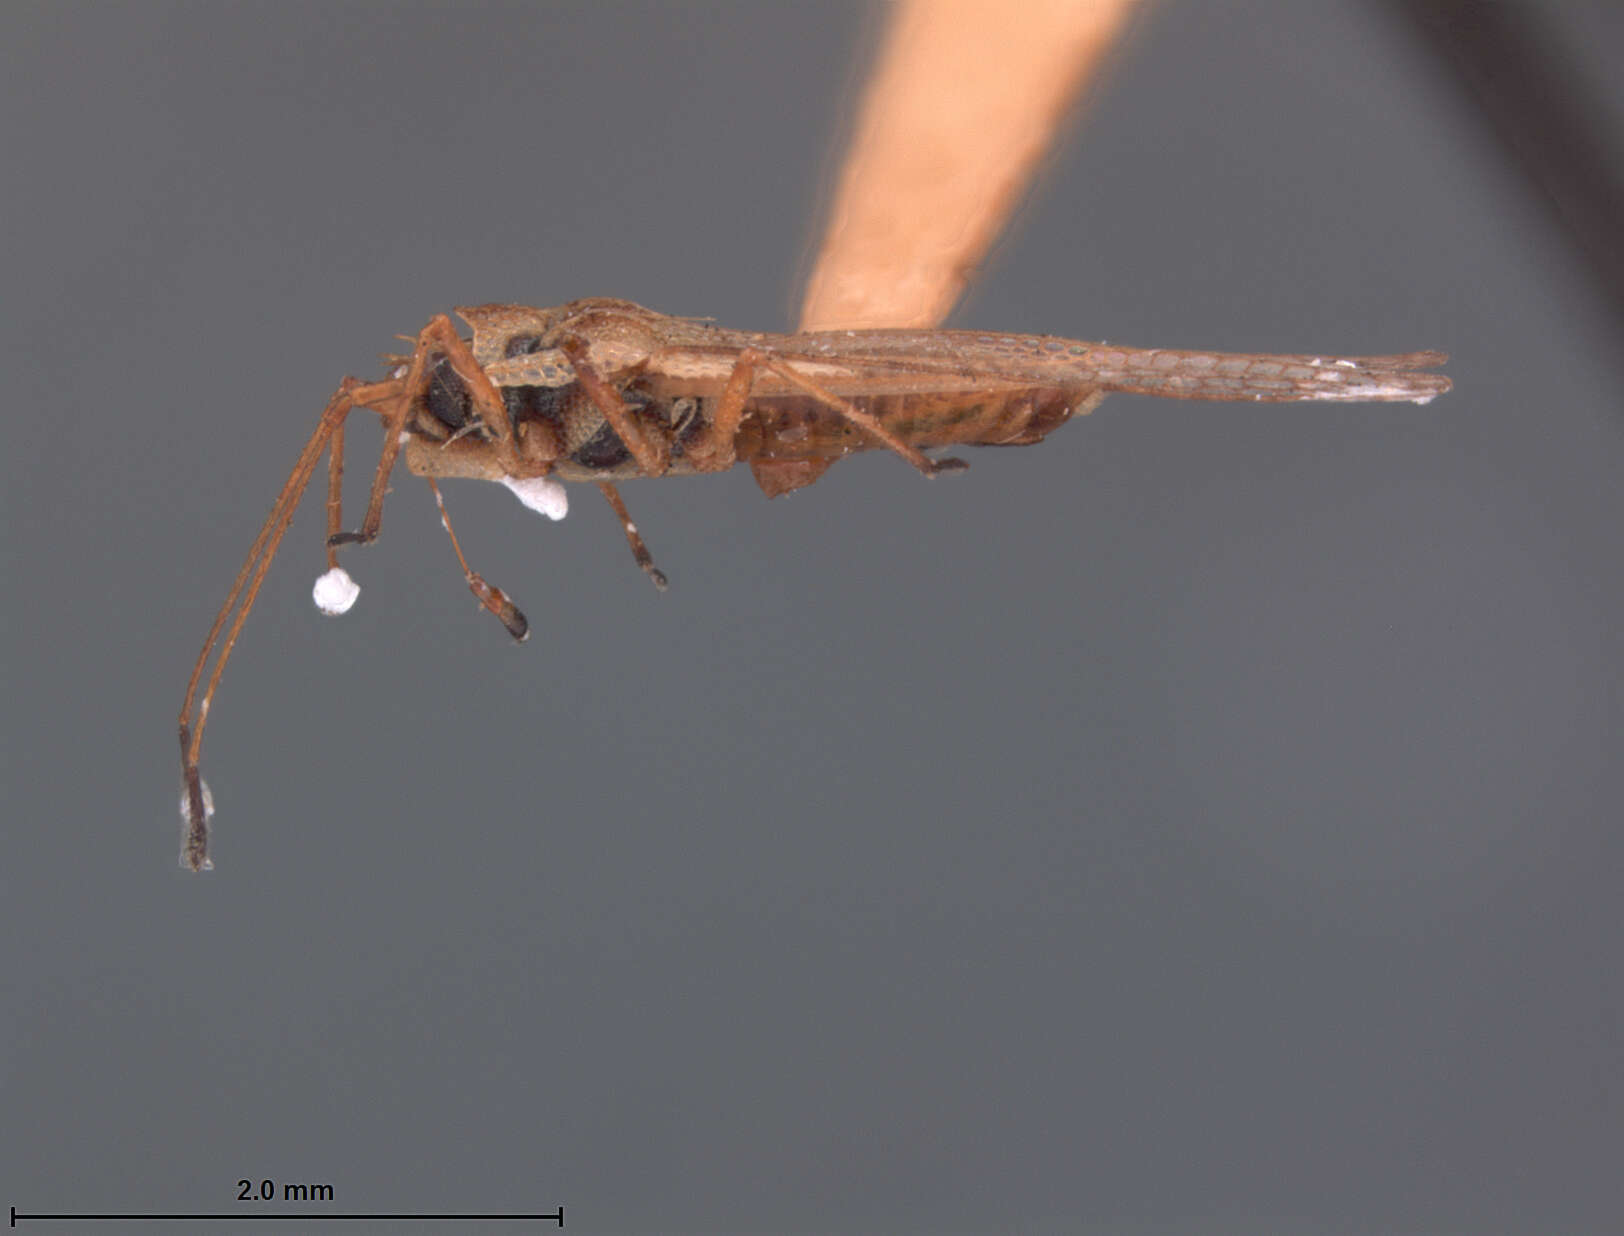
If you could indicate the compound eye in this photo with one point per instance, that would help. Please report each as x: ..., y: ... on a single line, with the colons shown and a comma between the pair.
x: 447, y: 398
x: 602, y: 451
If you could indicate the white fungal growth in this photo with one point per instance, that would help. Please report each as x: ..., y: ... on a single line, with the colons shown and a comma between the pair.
x: 541, y: 494
x: 208, y: 802
x: 335, y: 592
x: 186, y: 822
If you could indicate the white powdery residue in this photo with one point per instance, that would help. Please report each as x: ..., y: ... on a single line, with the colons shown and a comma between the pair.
x: 1348, y: 364
x: 400, y: 372
x: 404, y: 437
x: 186, y: 805
x: 335, y: 592
x: 186, y: 823
x: 541, y: 494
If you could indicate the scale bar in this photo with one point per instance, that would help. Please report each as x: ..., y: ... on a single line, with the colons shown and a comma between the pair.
x: 556, y: 1216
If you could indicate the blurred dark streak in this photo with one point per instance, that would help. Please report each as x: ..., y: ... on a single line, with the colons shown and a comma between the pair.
x: 1505, y: 62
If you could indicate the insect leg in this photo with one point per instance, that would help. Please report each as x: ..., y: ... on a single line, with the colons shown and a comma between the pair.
x: 731, y: 408
x: 869, y: 424
x: 245, y: 588
x: 394, y: 421
x: 438, y: 338
x: 712, y: 448
x: 488, y: 595
x: 335, y: 492
x: 441, y: 337
x: 633, y: 537
x: 652, y: 452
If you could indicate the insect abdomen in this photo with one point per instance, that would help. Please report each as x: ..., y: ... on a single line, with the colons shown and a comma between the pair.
x: 800, y: 427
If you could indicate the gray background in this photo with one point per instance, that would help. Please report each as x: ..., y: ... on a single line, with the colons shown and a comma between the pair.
x: 1204, y: 822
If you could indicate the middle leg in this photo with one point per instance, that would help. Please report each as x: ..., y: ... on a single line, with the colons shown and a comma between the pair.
x: 633, y: 537
x: 489, y: 596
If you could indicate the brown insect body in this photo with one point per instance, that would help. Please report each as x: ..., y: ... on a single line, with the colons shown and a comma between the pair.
x: 670, y: 373
x: 929, y: 388
x: 603, y: 390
